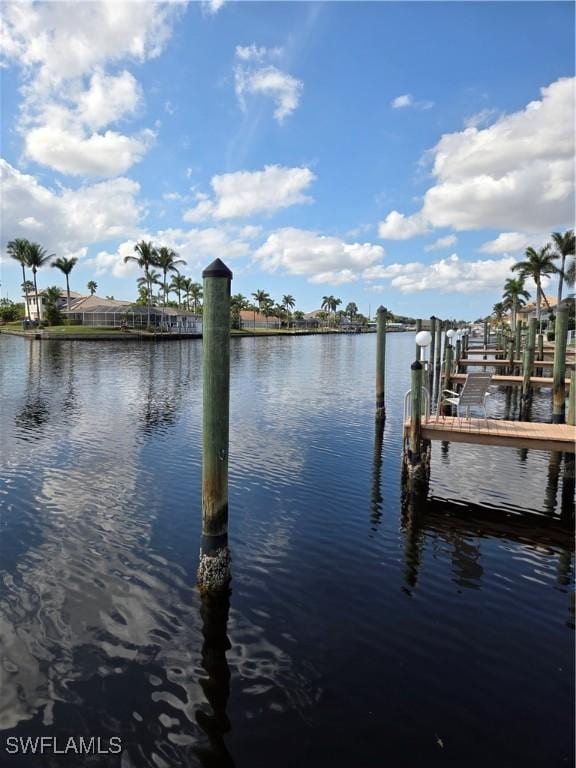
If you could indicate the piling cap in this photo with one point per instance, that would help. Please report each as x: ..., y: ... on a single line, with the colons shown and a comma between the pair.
x: 381, y: 309
x: 217, y: 269
x: 416, y: 365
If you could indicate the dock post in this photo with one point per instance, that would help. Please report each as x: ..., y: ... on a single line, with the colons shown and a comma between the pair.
x: 380, y: 362
x: 518, y: 341
x: 214, y: 568
x: 528, y: 360
x: 447, y: 363
x: 432, y: 344
x: 458, y: 354
x: 511, y: 355
x: 416, y: 450
x: 540, y: 353
x: 439, y: 325
x: 558, y: 385
x: 571, y: 415
x: 485, y: 335
x: 418, y: 329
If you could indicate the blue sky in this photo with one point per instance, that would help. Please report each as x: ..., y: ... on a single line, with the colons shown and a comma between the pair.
x: 402, y: 154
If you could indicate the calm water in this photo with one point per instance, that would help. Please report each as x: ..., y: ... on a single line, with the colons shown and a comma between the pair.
x: 358, y: 632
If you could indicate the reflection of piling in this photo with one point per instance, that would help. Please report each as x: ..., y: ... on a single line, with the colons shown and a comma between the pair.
x: 568, y: 486
x: 214, y: 568
x: 376, y: 507
x: 558, y: 385
x: 216, y: 686
x: 528, y: 360
x: 416, y: 449
x: 380, y: 362
x: 551, y: 491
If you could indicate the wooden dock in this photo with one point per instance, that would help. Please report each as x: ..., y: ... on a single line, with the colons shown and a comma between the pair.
x: 514, y: 434
x: 536, y: 381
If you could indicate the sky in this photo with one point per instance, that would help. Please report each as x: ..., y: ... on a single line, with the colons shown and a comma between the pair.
x: 402, y: 154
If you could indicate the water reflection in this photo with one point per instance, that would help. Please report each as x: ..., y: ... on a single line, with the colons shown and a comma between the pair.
x: 216, y: 686
x: 376, y: 497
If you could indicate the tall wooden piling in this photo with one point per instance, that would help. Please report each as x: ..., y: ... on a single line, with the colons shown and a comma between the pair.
x: 417, y: 450
x: 571, y: 415
x: 418, y: 329
x: 511, y: 349
x: 558, y: 385
x: 432, y: 345
x: 438, y: 350
x: 214, y: 568
x: 518, y: 340
x: 380, y: 362
x: 448, y: 363
x: 528, y: 360
x: 486, y: 336
x: 458, y: 354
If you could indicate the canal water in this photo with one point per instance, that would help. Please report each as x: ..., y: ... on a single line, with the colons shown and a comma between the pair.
x: 360, y: 631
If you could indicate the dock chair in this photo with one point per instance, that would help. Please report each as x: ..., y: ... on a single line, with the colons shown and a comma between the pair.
x: 474, y: 392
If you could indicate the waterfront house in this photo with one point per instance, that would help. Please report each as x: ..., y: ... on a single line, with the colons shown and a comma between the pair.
x: 96, y: 311
x: 255, y: 320
x: 39, y: 312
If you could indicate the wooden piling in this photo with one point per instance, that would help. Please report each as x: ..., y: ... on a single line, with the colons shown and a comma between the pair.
x: 214, y: 568
x: 418, y: 349
x: 528, y: 360
x: 417, y: 450
x: 518, y: 341
x: 432, y: 345
x: 438, y: 350
x: 558, y: 386
x: 448, y: 363
x: 458, y: 355
x: 511, y: 346
x: 380, y: 362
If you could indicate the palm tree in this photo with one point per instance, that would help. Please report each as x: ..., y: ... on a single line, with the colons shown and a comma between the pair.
x: 331, y: 303
x: 167, y: 260
x: 36, y: 258
x: 563, y: 247
x: 537, y: 264
x: 52, y: 297
x: 17, y: 249
x: 351, y: 310
x: 498, y: 311
x: 92, y: 287
x: 514, y: 296
x: 570, y: 273
x: 178, y: 285
x: 261, y: 297
x: 150, y: 278
x: 195, y: 293
x: 145, y: 259
x: 288, y: 302
x: 66, y: 266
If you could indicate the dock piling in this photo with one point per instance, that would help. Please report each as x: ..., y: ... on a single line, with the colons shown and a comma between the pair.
x: 419, y: 351
x: 432, y: 357
x: 438, y: 350
x: 417, y: 450
x: 528, y: 360
x: 214, y: 567
x: 571, y: 416
x: 380, y: 362
x: 518, y: 340
x: 558, y: 386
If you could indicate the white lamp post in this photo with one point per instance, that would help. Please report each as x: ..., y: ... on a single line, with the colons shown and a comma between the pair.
x: 423, y: 339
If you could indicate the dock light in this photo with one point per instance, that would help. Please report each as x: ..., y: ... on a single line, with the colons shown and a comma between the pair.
x: 423, y: 338
x: 451, y: 333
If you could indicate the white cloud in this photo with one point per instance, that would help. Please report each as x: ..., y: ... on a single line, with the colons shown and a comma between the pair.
x: 253, y: 77
x: 68, y: 219
x: 516, y: 174
x: 255, y: 53
x: 441, y: 243
x: 61, y: 40
x: 198, y: 247
x: 514, y: 242
x: 245, y: 193
x: 212, y: 6
x: 68, y: 98
x: 108, y: 98
x: 71, y: 151
x: 407, y: 100
x: 323, y: 258
x: 397, y: 226
x: 450, y: 275
x: 334, y: 278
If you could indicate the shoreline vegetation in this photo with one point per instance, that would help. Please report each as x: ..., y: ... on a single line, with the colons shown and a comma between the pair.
x: 82, y: 332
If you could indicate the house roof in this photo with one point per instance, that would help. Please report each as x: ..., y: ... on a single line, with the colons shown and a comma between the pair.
x: 249, y: 317
x: 531, y: 306
x: 63, y: 294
